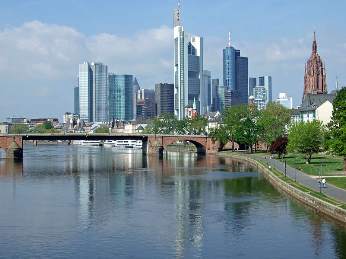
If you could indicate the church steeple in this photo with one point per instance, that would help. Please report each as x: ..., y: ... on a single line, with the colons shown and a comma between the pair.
x: 314, y: 44
x: 315, y: 73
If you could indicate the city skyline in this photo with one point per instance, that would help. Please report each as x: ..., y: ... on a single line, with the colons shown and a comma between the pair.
x: 47, y: 48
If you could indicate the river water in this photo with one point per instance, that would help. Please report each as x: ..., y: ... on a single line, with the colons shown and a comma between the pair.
x: 90, y: 202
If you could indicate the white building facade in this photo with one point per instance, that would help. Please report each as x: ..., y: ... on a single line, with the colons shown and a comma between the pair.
x: 261, y: 90
x: 285, y: 100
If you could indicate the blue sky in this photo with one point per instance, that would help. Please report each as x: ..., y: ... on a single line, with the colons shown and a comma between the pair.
x: 43, y: 41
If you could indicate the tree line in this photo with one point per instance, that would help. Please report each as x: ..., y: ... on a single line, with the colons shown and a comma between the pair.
x: 271, y: 126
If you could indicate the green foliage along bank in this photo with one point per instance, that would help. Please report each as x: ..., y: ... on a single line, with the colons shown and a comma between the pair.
x: 337, y: 141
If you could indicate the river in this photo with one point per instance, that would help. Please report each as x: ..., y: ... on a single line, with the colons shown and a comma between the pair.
x: 92, y: 202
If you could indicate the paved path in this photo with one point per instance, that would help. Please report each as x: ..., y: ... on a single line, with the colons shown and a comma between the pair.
x: 304, y: 179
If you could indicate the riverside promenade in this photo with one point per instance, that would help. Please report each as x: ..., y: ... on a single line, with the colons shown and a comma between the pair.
x: 302, y: 178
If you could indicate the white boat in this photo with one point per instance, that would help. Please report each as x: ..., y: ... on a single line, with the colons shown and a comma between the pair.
x: 128, y: 144
x: 109, y: 143
x: 87, y: 142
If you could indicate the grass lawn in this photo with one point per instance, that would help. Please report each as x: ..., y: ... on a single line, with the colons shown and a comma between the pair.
x: 338, y: 182
x: 330, y: 165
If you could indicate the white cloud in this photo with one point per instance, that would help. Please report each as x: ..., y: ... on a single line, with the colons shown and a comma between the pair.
x: 41, y: 60
x: 48, y: 51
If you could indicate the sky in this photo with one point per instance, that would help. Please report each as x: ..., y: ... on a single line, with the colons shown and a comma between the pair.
x: 43, y: 41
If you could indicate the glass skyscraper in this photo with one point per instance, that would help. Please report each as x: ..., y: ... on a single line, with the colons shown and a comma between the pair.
x: 85, y: 82
x: 101, y: 91
x: 188, y: 68
x: 76, y: 100
x: 164, y: 98
x: 121, y: 97
x: 206, y: 92
x: 93, y: 92
x: 235, y: 74
x: 229, y: 67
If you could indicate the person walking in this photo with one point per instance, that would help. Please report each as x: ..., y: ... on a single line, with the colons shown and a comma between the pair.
x: 324, y: 182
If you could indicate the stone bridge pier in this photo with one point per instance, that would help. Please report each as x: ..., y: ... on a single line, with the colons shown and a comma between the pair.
x: 13, y: 146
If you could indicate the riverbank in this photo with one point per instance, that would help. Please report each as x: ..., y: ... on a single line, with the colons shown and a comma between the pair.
x: 315, y: 200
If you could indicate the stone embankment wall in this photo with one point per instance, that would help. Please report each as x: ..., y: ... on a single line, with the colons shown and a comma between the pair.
x: 309, y: 200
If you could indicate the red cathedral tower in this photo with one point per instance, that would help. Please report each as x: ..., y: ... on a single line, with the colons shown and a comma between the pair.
x: 315, y: 73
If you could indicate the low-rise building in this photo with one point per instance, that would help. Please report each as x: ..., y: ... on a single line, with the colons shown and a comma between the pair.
x: 315, y: 107
x: 4, y: 128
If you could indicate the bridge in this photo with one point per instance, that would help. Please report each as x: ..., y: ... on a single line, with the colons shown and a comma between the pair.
x: 152, y: 144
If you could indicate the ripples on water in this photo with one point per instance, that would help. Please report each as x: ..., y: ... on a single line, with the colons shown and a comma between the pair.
x: 81, y: 202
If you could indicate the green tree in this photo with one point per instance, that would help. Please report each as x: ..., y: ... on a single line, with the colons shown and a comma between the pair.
x: 338, y: 125
x: 44, y: 128
x: 220, y: 134
x: 164, y: 124
x: 306, y: 138
x: 272, y: 122
x: 241, y: 123
x: 102, y: 129
x: 47, y: 125
x: 19, y: 129
x: 231, y: 117
x: 197, y: 125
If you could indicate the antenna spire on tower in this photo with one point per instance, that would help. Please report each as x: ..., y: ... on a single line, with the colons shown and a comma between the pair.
x: 229, y: 39
x: 177, y: 15
x: 337, y: 83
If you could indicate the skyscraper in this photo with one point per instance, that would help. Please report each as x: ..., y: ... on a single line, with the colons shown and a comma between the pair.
x: 221, y: 98
x: 93, y: 92
x: 315, y: 73
x: 214, y: 95
x: 136, y: 88
x: 206, y: 92
x: 121, y: 97
x: 235, y: 74
x: 188, y: 67
x: 101, y: 92
x: 261, y: 90
x: 76, y: 100
x: 85, y: 83
x: 164, y: 98
x: 145, y: 104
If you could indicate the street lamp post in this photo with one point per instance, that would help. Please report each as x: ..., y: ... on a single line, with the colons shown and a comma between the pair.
x: 285, y: 168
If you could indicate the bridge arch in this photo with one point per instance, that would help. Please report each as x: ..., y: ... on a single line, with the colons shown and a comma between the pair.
x: 200, y: 143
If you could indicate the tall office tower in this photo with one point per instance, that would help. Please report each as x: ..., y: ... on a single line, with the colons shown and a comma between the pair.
x: 235, y: 74
x: 76, y: 100
x: 206, y: 92
x: 145, y: 104
x: 315, y: 73
x: 85, y: 82
x: 121, y: 97
x: 252, y: 85
x: 261, y: 91
x: 164, y: 98
x: 214, y: 94
x: 228, y: 97
x: 188, y: 67
x: 136, y: 88
x: 285, y: 100
x: 221, y: 98
x: 100, y: 92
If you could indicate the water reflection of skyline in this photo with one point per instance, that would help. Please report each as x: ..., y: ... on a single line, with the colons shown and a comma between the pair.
x: 108, y: 185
